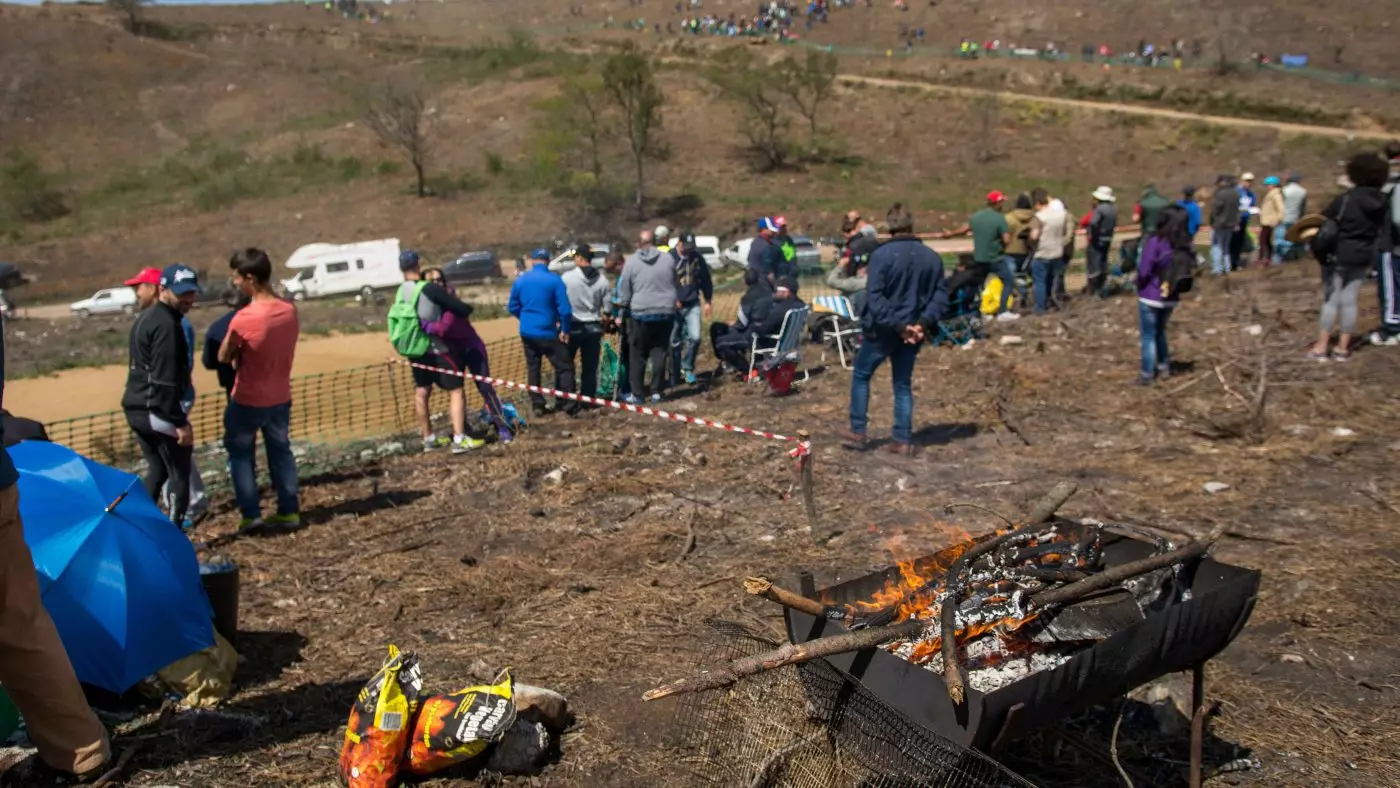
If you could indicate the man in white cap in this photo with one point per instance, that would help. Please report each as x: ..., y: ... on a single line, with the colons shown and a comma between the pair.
x: 1249, y: 206
x: 1102, y: 222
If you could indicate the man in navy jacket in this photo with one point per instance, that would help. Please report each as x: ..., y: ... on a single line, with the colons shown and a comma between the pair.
x: 906, y: 299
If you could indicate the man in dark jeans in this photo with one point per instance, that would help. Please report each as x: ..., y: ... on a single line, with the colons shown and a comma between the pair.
x: 695, y: 291
x: 261, y: 345
x: 539, y: 300
x: 158, y: 376
x: 906, y: 299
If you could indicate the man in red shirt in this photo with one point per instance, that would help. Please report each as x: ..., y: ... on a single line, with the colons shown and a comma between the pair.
x: 261, y: 344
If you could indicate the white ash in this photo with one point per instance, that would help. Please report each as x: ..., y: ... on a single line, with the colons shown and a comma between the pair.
x: 990, y: 666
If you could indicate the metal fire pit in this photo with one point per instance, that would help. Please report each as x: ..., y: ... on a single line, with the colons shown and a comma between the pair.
x: 1178, y: 637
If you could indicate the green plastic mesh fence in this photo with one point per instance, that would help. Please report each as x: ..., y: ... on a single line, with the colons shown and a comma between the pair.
x: 811, y: 726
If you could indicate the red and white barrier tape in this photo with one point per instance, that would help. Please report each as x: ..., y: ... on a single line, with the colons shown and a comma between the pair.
x: 803, y: 448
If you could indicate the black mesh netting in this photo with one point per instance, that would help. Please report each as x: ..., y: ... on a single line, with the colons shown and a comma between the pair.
x: 811, y: 726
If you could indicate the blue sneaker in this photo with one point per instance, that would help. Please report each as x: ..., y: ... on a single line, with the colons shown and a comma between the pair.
x: 689, y: 378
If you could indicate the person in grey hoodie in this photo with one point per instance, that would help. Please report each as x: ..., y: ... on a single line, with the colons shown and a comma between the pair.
x: 1224, y: 223
x: 648, y: 291
x: 589, y: 295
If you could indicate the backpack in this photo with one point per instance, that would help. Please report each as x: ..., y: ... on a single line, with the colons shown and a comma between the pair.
x: 406, y: 334
x: 1181, y: 272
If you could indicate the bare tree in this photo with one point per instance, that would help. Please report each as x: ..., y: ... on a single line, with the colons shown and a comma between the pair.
x: 630, y: 82
x: 986, y: 112
x: 399, y: 116
x: 585, y: 94
x: 128, y: 12
x: 809, y: 84
x: 762, y: 118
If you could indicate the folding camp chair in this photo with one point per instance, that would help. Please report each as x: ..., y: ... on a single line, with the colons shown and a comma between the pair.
x: 962, y: 322
x: 788, y: 342
x: 839, y: 323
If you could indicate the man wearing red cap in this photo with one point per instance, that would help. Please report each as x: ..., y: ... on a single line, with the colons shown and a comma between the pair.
x: 990, y: 236
x: 147, y: 285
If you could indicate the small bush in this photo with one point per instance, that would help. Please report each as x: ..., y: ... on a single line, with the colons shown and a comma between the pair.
x: 495, y: 165
x: 28, y: 193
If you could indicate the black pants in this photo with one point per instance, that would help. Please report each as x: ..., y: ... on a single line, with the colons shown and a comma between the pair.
x: 166, y: 461
x: 1096, y: 263
x: 965, y: 286
x: 733, y: 349
x: 586, y: 339
x: 650, y: 340
x: 558, y: 354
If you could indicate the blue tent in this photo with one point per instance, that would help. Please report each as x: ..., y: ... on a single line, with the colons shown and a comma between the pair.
x: 120, y: 581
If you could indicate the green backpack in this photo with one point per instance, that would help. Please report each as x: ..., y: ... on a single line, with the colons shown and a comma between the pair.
x: 405, y: 332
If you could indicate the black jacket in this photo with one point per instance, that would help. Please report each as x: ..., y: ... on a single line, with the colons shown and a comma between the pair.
x: 693, y: 278
x: 159, y: 373
x: 772, y: 322
x: 1361, y: 225
x: 213, y: 339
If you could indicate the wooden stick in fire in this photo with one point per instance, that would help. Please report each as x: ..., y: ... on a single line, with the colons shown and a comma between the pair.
x: 762, y: 586
x: 1117, y: 574
x: 788, y: 654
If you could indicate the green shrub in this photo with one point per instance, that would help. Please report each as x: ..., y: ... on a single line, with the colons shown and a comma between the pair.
x: 28, y: 192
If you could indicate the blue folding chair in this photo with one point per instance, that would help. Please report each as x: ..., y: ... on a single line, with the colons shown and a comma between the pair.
x: 786, y: 345
x: 839, y: 324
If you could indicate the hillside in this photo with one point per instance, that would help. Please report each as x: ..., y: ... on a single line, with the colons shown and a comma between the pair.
x: 243, y: 126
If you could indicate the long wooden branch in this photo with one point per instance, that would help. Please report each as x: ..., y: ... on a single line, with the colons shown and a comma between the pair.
x: 1117, y: 574
x: 788, y: 654
x: 763, y: 587
x: 1046, y: 507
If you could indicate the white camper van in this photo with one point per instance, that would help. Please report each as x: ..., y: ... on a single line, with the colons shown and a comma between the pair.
x: 339, y: 269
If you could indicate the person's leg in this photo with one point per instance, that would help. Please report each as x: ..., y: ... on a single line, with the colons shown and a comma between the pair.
x: 676, y: 344
x: 1266, y: 246
x: 901, y: 376
x: 717, y: 329
x: 453, y: 364
x: 149, y: 443
x: 1164, y: 357
x: 1219, y: 243
x: 1094, y: 263
x: 477, y: 361
x: 240, y: 440
x: 1040, y: 281
x: 1061, y: 294
x: 1388, y: 294
x: 1331, y: 309
x: 1281, y: 245
x: 691, y: 348
x: 1237, y: 239
x: 637, y: 357
x: 1350, y: 292
x: 1147, y: 339
x: 281, y: 463
x: 563, y: 376
x: 199, y: 500
x: 532, y: 371
x: 420, y: 411
x: 34, y: 667
x: 872, y: 354
x: 591, y: 350
x: 179, y: 459
x: 1007, y: 274
x: 733, y: 349
x: 656, y: 349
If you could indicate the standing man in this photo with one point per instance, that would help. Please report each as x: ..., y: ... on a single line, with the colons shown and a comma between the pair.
x: 1224, y: 222
x: 454, y: 347
x: 261, y: 345
x: 1150, y: 209
x: 762, y: 251
x: 157, y: 378
x: 648, y: 290
x: 1048, y: 242
x: 34, y: 666
x: 906, y: 299
x: 539, y: 300
x: 1295, y: 204
x: 1193, y: 210
x: 589, y: 294
x: 1102, y: 222
x: 786, y: 257
x: 1239, y: 242
x: 147, y: 287
x: 1270, y: 219
x: 214, y: 338
x: 1388, y: 281
x: 694, y: 293
x: 991, y: 234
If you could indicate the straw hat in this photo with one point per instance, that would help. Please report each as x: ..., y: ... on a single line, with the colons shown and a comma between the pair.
x: 1305, y: 228
x: 1104, y: 194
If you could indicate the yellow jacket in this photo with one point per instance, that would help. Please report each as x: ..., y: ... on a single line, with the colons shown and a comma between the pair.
x: 1271, y: 212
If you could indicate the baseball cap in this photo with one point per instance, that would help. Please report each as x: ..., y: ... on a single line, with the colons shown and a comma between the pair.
x: 408, y: 260
x: 540, y: 254
x: 585, y: 251
x: 688, y: 238
x: 661, y: 233
x: 780, y: 221
x: 179, y: 279
x: 1248, y: 176
x: 1188, y: 190
x: 148, y: 276
x: 996, y: 196
x: 766, y: 223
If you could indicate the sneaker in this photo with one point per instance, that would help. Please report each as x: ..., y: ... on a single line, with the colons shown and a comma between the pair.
x: 187, y: 525
x: 1144, y: 382
x: 1341, y: 355
x: 1007, y: 317
x: 1313, y: 355
x: 249, y: 524
x: 284, y: 521
x: 655, y: 398
x: 689, y: 378
x: 465, y: 443
x: 1384, y: 340
x: 631, y: 399
x: 505, y: 438
x: 433, y: 443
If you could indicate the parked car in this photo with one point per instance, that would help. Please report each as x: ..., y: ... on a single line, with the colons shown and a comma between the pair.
x: 565, y: 261
x: 340, y: 269
x: 708, y: 247
x: 809, y: 255
x: 215, y: 288
x: 113, y: 300
x: 473, y: 268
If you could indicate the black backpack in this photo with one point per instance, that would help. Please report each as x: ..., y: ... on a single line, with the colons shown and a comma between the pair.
x: 1181, y: 272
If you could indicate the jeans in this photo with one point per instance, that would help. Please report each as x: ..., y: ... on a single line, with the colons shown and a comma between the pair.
x: 1006, y: 272
x: 1057, y: 279
x: 558, y: 354
x: 1042, y: 278
x: 1152, y: 326
x: 873, y: 351
x: 1281, y: 245
x: 685, y: 341
x: 586, y: 339
x: 1220, y: 251
x: 242, y: 423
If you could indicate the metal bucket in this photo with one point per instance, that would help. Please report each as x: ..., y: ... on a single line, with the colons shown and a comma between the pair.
x: 220, y: 579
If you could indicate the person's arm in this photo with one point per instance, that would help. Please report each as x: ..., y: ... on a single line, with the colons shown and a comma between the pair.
x: 624, y: 285
x: 228, y: 350
x: 707, y: 285
x: 564, y: 309
x: 935, y: 299
x: 1005, y: 234
x: 1036, y: 227
x: 965, y: 229
x: 877, y: 304
x: 164, y: 372
x: 513, y: 303
x: 1334, y: 211
x: 439, y: 296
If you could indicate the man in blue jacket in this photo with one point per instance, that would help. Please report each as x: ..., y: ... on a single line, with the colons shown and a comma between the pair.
x: 539, y: 300
x: 1193, y: 209
x: 906, y: 299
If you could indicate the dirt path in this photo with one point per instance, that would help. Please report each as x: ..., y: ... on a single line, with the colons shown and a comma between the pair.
x: 79, y: 392
x: 1125, y: 109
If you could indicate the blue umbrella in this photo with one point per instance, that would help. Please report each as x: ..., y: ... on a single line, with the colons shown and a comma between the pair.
x: 120, y: 581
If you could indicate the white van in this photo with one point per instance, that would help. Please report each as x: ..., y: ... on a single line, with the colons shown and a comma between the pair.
x: 708, y: 247
x: 340, y: 269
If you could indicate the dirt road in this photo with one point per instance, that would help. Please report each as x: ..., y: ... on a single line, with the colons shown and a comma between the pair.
x: 79, y: 392
x: 1124, y: 109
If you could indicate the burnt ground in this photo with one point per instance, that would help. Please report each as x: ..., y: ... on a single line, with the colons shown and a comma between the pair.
x: 477, y: 563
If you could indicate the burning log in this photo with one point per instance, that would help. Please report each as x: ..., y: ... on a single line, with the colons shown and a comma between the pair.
x: 789, y: 654
x: 763, y: 587
x: 1115, y: 575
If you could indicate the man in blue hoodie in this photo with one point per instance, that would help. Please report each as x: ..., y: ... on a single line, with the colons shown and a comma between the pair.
x: 1193, y: 209
x: 539, y: 300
